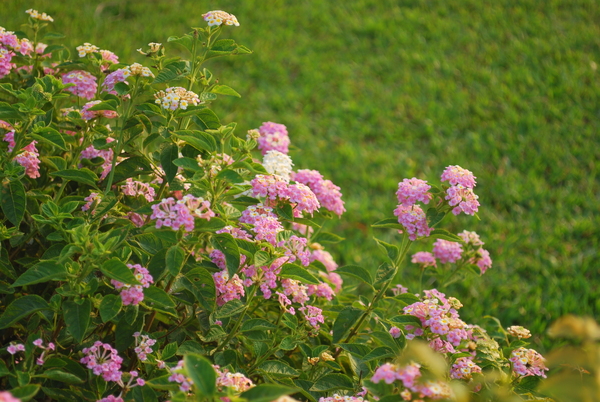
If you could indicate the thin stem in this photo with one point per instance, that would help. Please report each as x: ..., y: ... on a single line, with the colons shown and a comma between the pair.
x: 238, y: 322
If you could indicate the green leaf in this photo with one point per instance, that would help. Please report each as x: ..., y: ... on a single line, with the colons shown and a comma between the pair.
x: 154, y: 295
x: 257, y: 324
x: 406, y: 320
x: 202, y: 374
x: 378, y: 353
x: 49, y: 136
x: 230, y: 309
x: 434, y: 216
x: 62, y: 376
x: 172, y: 72
x: 278, y: 368
x: 26, y: 392
x: 261, y: 258
x: 77, y: 317
x: 332, y: 381
x: 356, y: 272
x: 186, y: 41
x: 298, y: 273
x: 13, y: 201
x: 228, y: 246
x: 326, y: 237
x: 407, y: 298
x: 110, y: 307
x: 174, y: 259
x: 285, y: 211
x: 206, y: 119
x: 84, y: 175
x: 211, y: 225
x: 444, y: 234
x: 225, y: 90
x: 390, y: 223
x: 288, y: 343
x: 169, y: 351
x: 197, y: 139
x: 187, y: 163
x: 167, y: 156
x: 230, y: 175
x: 55, y: 162
x: 131, y: 167
x: 117, y: 270
x: 43, y: 271
x: 21, y: 308
x: 384, y: 273
x: 392, y: 251
x: 344, y: 321
x: 356, y: 349
x: 267, y: 392
x: 110, y: 104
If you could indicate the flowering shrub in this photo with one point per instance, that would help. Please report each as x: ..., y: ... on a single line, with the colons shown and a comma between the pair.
x: 148, y: 253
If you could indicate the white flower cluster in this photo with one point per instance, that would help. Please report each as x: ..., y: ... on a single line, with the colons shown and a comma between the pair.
x: 137, y: 69
x: 218, y: 17
x: 87, y: 48
x: 36, y: 15
x: 176, y: 97
x: 278, y: 163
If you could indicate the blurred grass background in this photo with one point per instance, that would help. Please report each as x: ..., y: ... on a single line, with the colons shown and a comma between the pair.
x: 374, y: 91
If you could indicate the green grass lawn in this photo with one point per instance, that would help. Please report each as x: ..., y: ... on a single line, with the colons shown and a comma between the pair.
x: 374, y: 91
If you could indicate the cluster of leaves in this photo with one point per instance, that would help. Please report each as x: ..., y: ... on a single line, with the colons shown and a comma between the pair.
x: 71, y: 236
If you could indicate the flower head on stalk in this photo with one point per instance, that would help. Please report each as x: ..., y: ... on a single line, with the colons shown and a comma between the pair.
x: 174, y: 98
x: 36, y: 15
x: 84, y: 83
x: 219, y: 17
x: 273, y: 136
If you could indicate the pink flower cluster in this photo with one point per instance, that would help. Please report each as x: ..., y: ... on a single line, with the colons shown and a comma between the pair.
x: 411, y: 191
x: 6, y: 396
x: 414, y: 220
x: 13, y: 348
x: 464, y: 368
x: 185, y: 383
x: 9, y: 44
x: 134, y: 294
x: 28, y: 158
x: 143, y: 345
x: 326, y: 259
x: 108, y: 85
x: 90, y: 200
x: 409, y: 376
x: 276, y: 188
x: 40, y: 344
x: 236, y: 381
x: 266, y: 223
x: 447, y: 251
x: 424, y: 259
x: 111, y: 398
x: 227, y: 289
x: 313, y: 315
x: 528, y: 362
x: 482, y: 257
x: 460, y: 194
x: 87, y: 114
x: 273, y: 136
x: 103, y: 360
x: 410, y: 215
x: 439, y: 316
x: 84, y: 83
x: 328, y: 194
x: 106, y: 154
x: 175, y: 214
x: 135, y: 188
